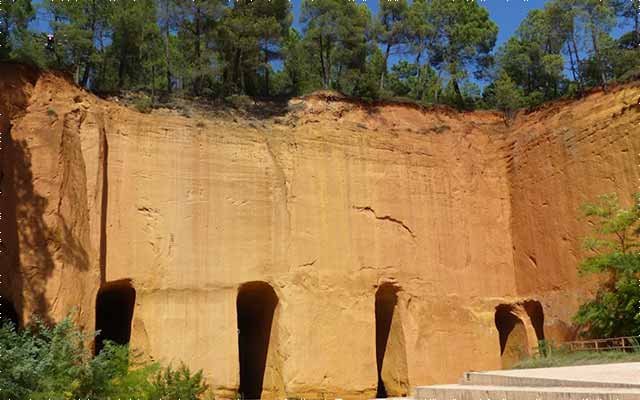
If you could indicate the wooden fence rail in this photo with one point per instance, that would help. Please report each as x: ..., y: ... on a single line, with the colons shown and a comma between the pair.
x: 627, y: 343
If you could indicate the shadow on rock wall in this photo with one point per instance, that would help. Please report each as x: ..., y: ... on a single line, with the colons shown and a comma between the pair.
x: 41, y: 240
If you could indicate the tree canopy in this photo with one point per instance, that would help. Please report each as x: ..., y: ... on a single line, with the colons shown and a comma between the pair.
x: 428, y: 51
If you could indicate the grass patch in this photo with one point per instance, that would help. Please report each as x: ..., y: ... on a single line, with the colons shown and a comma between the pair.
x: 560, y: 358
x: 51, y: 112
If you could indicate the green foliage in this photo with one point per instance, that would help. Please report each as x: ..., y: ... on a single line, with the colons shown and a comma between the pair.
x: 143, y: 104
x: 464, y: 36
x: 391, y: 29
x: 178, y: 384
x: 420, y: 83
x: 508, y: 97
x: 532, y: 56
x: 299, y: 75
x: 615, y: 311
x: 251, y: 35
x: 217, y: 48
x: 43, y: 362
x: 336, y: 36
x: 577, y: 31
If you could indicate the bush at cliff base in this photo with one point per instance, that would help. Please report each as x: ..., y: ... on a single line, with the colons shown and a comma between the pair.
x: 43, y: 362
x: 614, y: 254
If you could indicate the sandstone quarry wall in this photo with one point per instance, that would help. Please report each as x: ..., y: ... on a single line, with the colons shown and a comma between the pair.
x: 326, y: 205
x: 560, y: 158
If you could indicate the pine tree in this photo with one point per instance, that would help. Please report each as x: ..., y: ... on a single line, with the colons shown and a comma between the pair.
x: 391, y: 29
x: 508, y: 98
x: 464, y: 37
x: 336, y: 33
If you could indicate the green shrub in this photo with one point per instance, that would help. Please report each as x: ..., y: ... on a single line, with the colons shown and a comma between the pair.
x: 612, y: 253
x: 508, y: 97
x: 143, y: 104
x: 43, y: 362
x: 178, y: 384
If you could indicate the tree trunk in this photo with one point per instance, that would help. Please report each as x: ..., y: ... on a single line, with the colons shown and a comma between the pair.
x: 153, y: 83
x: 438, y: 88
x: 266, y: 74
x: 236, y: 68
x: 329, y: 64
x: 596, y: 51
x: 85, y: 75
x: 103, y: 64
x: 166, y: 47
x: 636, y: 21
x: 198, y: 32
x: 384, y: 66
x: 324, y: 73
x: 121, y: 68
x: 575, y: 52
x: 456, y: 88
x: 92, y: 27
x: 419, y: 86
x: 243, y: 88
x: 572, y: 62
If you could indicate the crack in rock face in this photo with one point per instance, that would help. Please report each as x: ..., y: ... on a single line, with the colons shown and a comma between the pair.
x: 389, y: 218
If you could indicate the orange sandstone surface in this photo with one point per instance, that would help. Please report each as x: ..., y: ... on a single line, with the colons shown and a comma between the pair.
x: 339, y: 249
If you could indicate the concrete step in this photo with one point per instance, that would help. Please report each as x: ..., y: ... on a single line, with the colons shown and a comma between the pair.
x: 602, y: 376
x: 484, y: 392
x: 488, y: 379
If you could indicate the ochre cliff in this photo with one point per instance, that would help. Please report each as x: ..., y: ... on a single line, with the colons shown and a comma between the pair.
x: 443, y: 227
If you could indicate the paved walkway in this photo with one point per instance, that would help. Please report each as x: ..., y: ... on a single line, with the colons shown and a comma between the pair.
x: 588, y: 382
x: 626, y: 373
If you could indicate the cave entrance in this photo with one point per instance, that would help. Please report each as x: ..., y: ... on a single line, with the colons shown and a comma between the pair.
x: 8, y: 313
x: 388, y: 325
x: 536, y: 315
x: 256, y: 305
x: 114, y: 312
x: 513, y: 336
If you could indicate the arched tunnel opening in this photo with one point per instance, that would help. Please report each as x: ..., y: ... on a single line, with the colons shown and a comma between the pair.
x: 114, y: 312
x: 536, y: 315
x: 8, y: 313
x: 386, y: 300
x: 512, y: 334
x: 256, y: 305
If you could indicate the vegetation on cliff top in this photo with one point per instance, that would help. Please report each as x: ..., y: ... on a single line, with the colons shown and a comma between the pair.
x: 220, y: 48
x: 42, y: 362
